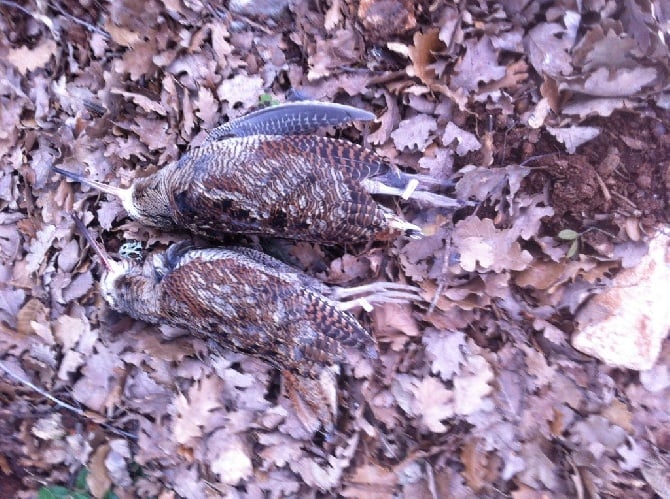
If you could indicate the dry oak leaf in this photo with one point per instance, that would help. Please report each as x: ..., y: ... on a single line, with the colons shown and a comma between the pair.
x: 623, y: 82
x: 574, y: 136
x: 207, y: 109
x: 330, y: 474
x: 434, y: 402
x: 68, y: 256
x: 146, y: 103
x: 25, y: 59
x: 153, y: 133
x: 395, y: 322
x: 596, y: 434
x: 122, y: 36
x: 527, y: 214
x: 15, y: 313
x: 549, y: 46
x: 368, y: 478
x: 387, y: 120
x: 39, y: 247
x: 117, y: 461
x: 98, y: 479
x: 479, y: 64
x: 242, y: 89
x: 228, y: 457
x: 444, y: 348
x: 279, y: 449
x: 426, y: 398
x: 439, y: 161
x: 466, y: 141
x: 483, y: 246
x: 193, y: 413
x: 68, y: 329
x: 540, y: 471
x: 475, y: 462
x: 49, y: 427
x: 78, y: 287
x: 422, y: 55
x: 415, y: 132
x: 471, y: 389
x: 482, y: 183
x: 600, y: 106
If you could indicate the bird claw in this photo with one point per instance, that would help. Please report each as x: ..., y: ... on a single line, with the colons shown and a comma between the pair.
x: 375, y: 293
x: 409, y: 229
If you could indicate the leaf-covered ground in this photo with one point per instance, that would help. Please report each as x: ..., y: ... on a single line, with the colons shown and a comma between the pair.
x: 549, y: 118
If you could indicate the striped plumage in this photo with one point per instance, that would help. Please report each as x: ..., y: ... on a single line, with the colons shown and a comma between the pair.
x: 246, y: 301
x: 306, y: 188
x: 257, y: 175
x: 232, y: 297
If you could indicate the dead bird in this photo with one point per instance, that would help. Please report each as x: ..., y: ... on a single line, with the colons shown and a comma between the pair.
x: 263, y: 174
x: 248, y: 302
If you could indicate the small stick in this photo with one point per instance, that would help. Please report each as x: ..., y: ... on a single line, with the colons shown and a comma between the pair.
x: 624, y: 199
x: 64, y: 405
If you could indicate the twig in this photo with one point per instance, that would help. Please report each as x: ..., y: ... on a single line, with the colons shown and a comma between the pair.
x: 38, y: 17
x: 81, y: 22
x: 538, y: 156
x: 16, y: 6
x: 603, y: 187
x: 625, y: 199
x: 62, y: 404
x: 41, y: 391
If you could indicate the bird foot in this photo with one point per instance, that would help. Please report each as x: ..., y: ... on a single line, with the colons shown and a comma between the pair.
x: 410, y: 191
x: 375, y: 293
x: 400, y: 225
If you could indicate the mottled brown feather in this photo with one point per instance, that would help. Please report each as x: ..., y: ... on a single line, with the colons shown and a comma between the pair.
x: 234, y: 299
x: 305, y: 188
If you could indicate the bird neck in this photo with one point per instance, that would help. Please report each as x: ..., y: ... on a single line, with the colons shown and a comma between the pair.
x: 149, y: 201
x: 139, y: 297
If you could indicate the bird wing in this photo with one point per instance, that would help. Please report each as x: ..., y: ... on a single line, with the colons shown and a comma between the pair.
x: 282, y: 186
x: 292, y: 118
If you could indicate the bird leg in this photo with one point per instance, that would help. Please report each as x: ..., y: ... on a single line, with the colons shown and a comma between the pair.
x: 397, y: 223
x: 409, y: 191
x: 375, y: 293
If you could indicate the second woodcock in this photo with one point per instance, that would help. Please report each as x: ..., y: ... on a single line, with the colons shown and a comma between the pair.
x: 246, y: 301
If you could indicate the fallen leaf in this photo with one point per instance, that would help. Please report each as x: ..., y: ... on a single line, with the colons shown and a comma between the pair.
x: 415, y: 132
x: 26, y: 59
x: 574, y: 136
x: 466, y: 141
x: 483, y: 246
x: 444, y: 348
x: 192, y: 414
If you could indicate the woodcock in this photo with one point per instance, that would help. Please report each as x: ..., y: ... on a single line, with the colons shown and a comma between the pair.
x: 246, y: 301
x: 261, y: 174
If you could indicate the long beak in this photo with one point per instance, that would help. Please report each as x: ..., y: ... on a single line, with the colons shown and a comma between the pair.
x: 116, y: 191
x: 109, y: 264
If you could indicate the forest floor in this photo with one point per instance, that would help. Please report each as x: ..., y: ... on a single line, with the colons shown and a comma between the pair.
x: 549, y: 123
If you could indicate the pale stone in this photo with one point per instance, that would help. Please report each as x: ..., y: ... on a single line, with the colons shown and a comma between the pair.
x: 626, y: 324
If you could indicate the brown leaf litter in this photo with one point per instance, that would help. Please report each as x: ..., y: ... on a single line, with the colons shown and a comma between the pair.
x: 544, y: 117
